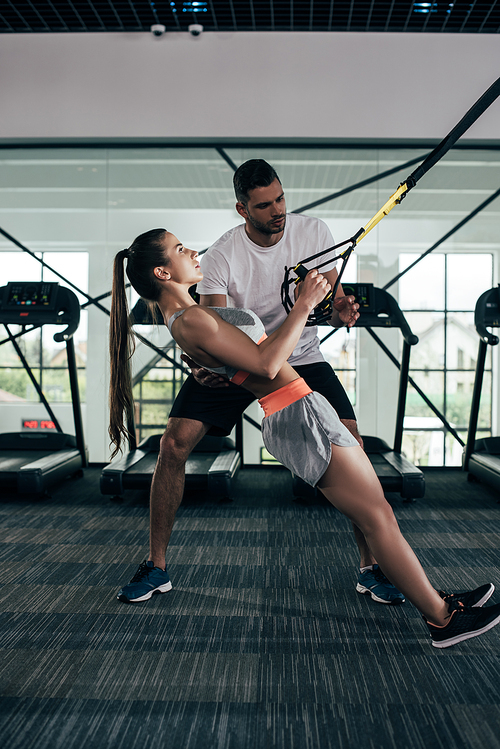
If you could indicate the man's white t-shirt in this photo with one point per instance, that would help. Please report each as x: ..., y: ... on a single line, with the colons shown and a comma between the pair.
x: 251, y: 276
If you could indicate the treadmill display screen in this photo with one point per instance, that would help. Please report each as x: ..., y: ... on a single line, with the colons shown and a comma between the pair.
x: 30, y: 295
x: 37, y: 425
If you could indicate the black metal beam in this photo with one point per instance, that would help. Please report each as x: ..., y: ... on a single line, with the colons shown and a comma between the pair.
x: 357, y: 185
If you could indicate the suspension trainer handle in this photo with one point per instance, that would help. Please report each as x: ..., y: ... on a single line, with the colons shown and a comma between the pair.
x: 323, y: 311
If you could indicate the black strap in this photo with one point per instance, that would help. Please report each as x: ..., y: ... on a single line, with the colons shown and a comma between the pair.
x: 465, y: 123
x: 441, y: 149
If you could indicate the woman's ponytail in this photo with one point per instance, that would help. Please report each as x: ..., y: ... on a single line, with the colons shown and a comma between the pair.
x: 144, y: 254
x: 121, y: 348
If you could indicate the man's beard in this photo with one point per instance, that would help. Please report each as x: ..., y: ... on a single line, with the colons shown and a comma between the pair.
x: 266, y: 228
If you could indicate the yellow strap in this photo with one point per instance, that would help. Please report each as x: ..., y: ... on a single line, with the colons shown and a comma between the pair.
x: 393, y: 200
x: 387, y: 208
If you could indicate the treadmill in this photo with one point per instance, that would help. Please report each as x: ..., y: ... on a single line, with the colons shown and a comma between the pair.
x: 30, y: 462
x: 396, y: 474
x: 212, y: 466
x: 481, y: 458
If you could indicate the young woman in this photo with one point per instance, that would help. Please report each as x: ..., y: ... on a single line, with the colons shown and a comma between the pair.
x: 300, y: 428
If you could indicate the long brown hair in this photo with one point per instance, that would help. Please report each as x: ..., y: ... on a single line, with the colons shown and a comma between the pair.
x: 145, y: 253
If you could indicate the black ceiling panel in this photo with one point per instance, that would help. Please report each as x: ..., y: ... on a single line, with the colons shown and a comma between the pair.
x: 65, y: 16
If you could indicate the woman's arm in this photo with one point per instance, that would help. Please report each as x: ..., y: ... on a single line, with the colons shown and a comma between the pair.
x: 203, y: 335
x: 204, y: 376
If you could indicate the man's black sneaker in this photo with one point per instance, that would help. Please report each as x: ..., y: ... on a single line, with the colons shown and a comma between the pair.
x: 147, y: 580
x: 472, y: 598
x: 463, y: 624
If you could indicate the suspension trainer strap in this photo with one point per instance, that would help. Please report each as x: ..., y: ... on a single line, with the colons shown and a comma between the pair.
x: 465, y: 123
x: 437, y: 154
x: 431, y: 160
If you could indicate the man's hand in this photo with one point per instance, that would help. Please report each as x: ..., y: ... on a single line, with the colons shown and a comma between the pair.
x: 347, y: 310
x: 203, y: 376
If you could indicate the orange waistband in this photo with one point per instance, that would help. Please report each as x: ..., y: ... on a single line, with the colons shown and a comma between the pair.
x: 240, y: 377
x: 281, y: 398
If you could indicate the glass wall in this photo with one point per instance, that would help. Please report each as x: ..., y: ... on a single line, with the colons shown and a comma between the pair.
x: 76, y: 207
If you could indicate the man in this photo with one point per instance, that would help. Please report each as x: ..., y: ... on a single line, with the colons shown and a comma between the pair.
x: 245, y: 266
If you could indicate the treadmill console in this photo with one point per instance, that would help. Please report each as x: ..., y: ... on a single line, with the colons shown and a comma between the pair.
x: 363, y: 292
x: 40, y: 303
x: 378, y: 309
x: 19, y: 295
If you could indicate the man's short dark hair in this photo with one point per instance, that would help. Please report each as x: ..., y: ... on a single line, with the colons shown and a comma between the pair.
x: 253, y: 173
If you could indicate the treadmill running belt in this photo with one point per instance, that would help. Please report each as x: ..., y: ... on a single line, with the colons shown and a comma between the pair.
x: 11, y: 461
x: 197, y: 465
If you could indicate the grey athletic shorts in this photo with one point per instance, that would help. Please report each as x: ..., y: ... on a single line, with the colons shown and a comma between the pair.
x: 300, y: 436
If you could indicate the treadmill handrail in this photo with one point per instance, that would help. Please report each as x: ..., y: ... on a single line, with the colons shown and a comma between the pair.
x: 410, y: 338
x: 480, y: 314
x: 68, y: 304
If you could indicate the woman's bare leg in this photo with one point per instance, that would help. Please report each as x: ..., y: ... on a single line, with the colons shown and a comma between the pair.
x: 351, y: 485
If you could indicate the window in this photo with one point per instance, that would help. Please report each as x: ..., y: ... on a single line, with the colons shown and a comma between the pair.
x: 438, y: 297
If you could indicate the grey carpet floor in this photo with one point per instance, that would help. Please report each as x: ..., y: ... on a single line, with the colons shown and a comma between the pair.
x: 263, y: 641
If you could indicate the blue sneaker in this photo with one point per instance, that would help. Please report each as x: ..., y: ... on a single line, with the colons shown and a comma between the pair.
x: 374, y: 583
x: 147, y: 580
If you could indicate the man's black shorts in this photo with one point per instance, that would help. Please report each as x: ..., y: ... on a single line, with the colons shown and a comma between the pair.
x: 221, y: 407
